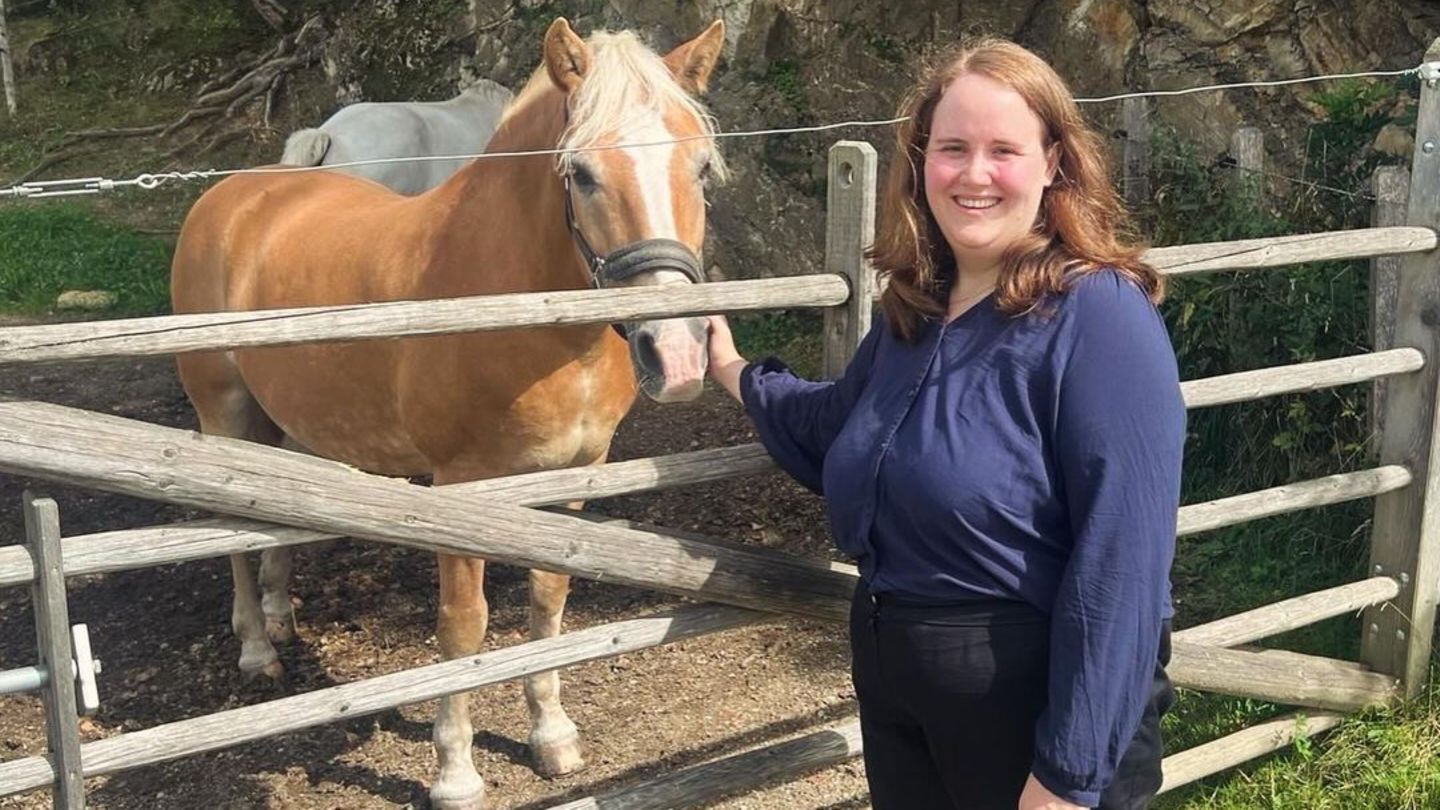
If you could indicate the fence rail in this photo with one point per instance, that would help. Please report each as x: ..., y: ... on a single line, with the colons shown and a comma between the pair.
x: 1327, y: 491
x: 1291, y: 614
x: 373, y: 695
x: 1245, y: 386
x: 129, y: 549
x: 173, y: 334
x: 1277, y: 251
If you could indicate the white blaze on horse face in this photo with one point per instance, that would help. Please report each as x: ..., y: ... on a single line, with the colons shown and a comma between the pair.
x: 670, y: 354
x: 651, y: 168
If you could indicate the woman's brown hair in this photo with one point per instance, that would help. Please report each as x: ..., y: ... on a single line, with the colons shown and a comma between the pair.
x: 1081, y: 227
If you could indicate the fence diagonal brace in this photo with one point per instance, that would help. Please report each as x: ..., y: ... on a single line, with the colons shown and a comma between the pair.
x: 242, y: 478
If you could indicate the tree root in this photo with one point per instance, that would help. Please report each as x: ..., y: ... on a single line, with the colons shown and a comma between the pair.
x: 271, y: 12
x: 219, y: 103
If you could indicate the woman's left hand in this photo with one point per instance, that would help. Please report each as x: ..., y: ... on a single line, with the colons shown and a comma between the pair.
x: 1037, y: 797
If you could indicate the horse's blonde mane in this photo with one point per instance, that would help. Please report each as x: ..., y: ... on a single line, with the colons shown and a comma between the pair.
x: 626, y: 83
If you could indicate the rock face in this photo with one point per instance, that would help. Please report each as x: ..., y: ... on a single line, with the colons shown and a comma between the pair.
x: 805, y: 62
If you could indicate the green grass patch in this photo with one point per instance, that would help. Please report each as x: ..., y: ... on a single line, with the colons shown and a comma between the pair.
x: 1380, y: 761
x: 50, y: 248
x: 792, y: 336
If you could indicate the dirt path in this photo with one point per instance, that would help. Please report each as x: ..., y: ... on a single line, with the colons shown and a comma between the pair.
x: 368, y: 610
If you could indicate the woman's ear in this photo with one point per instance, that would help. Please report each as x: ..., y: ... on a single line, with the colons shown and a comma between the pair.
x: 1052, y: 162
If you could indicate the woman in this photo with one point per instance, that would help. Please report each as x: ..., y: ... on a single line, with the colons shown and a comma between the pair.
x: 1001, y: 458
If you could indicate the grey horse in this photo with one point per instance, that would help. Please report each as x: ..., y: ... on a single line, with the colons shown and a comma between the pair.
x: 461, y: 126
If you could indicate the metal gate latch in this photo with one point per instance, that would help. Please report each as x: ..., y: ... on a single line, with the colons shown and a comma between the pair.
x: 86, y: 667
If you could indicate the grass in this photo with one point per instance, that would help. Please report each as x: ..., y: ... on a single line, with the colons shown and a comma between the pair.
x: 50, y: 248
x: 789, y: 335
x: 1381, y: 761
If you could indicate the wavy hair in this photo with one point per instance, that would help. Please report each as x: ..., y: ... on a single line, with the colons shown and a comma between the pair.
x: 1082, y: 225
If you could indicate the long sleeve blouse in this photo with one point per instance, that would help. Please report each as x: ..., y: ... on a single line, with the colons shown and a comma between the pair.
x: 1032, y: 458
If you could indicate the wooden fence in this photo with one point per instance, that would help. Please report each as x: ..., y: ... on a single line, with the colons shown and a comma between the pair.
x: 1244, y: 156
x: 498, y: 519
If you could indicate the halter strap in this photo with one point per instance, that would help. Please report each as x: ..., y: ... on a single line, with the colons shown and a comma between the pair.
x: 593, y: 261
x: 627, y: 261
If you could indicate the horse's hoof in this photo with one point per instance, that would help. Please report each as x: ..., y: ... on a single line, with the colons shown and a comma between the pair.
x: 280, y: 631
x: 558, y: 757
x: 468, y: 795
x: 271, y: 670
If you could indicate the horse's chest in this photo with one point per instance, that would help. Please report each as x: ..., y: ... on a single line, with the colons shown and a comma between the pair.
x: 570, y: 424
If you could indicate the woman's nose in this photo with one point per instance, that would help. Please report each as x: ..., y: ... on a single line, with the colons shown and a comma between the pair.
x: 976, y: 171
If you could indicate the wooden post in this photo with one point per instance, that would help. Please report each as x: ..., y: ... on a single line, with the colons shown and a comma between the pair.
x: 1135, y: 165
x: 7, y: 65
x: 52, y: 628
x: 1391, y: 186
x: 1247, y: 148
x: 849, y: 230
x: 1405, y: 540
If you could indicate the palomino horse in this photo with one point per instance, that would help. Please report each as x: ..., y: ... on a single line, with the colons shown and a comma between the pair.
x: 460, y: 126
x: 465, y: 407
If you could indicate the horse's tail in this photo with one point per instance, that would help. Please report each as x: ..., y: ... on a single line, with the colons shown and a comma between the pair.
x: 306, y: 147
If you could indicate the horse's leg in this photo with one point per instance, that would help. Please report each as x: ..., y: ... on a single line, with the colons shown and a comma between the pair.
x: 275, y: 565
x: 226, y: 408
x: 554, y: 741
x: 463, y: 616
x: 257, y: 654
x: 275, y: 568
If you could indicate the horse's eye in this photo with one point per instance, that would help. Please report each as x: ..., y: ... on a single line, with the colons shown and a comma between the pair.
x: 705, y: 171
x: 583, y: 178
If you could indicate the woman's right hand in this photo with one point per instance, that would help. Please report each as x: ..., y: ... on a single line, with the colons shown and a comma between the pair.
x: 725, y: 360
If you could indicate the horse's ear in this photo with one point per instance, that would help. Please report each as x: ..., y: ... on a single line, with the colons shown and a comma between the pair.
x: 567, y: 57
x: 693, y: 61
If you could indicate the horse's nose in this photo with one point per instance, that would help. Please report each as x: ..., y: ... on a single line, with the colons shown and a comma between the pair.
x: 670, y: 358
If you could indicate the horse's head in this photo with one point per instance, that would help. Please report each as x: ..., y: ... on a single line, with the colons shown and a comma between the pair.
x: 636, y: 209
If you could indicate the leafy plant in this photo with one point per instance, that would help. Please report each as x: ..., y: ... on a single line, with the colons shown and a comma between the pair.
x: 791, y: 335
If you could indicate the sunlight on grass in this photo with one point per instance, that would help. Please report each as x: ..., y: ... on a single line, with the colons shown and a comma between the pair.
x: 1380, y: 761
x: 50, y: 248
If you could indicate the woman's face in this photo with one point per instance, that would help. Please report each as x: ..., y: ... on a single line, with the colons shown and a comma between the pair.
x: 986, y: 168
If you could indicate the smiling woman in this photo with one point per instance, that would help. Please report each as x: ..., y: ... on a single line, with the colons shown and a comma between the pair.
x: 988, y: 162
x: 1002, y: 184
x: 1001, y: 459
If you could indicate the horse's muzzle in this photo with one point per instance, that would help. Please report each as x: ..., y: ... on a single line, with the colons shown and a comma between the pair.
x: 670, y: 358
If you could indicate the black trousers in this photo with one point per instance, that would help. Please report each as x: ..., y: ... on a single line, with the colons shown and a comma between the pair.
x: 949, y: 696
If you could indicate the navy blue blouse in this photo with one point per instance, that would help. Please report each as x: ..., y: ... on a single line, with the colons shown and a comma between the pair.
x: 1033, y: 458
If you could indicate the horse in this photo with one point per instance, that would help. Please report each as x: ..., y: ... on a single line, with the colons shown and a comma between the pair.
x: 623, y: 205
x: 460, y: 126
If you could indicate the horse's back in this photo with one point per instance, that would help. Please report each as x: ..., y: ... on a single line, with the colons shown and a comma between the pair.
x: 291, y: 240
x: 369, y: 130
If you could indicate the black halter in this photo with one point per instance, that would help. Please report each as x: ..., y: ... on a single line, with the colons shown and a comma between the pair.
x: 627, y: 261
x: 645, y: 256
